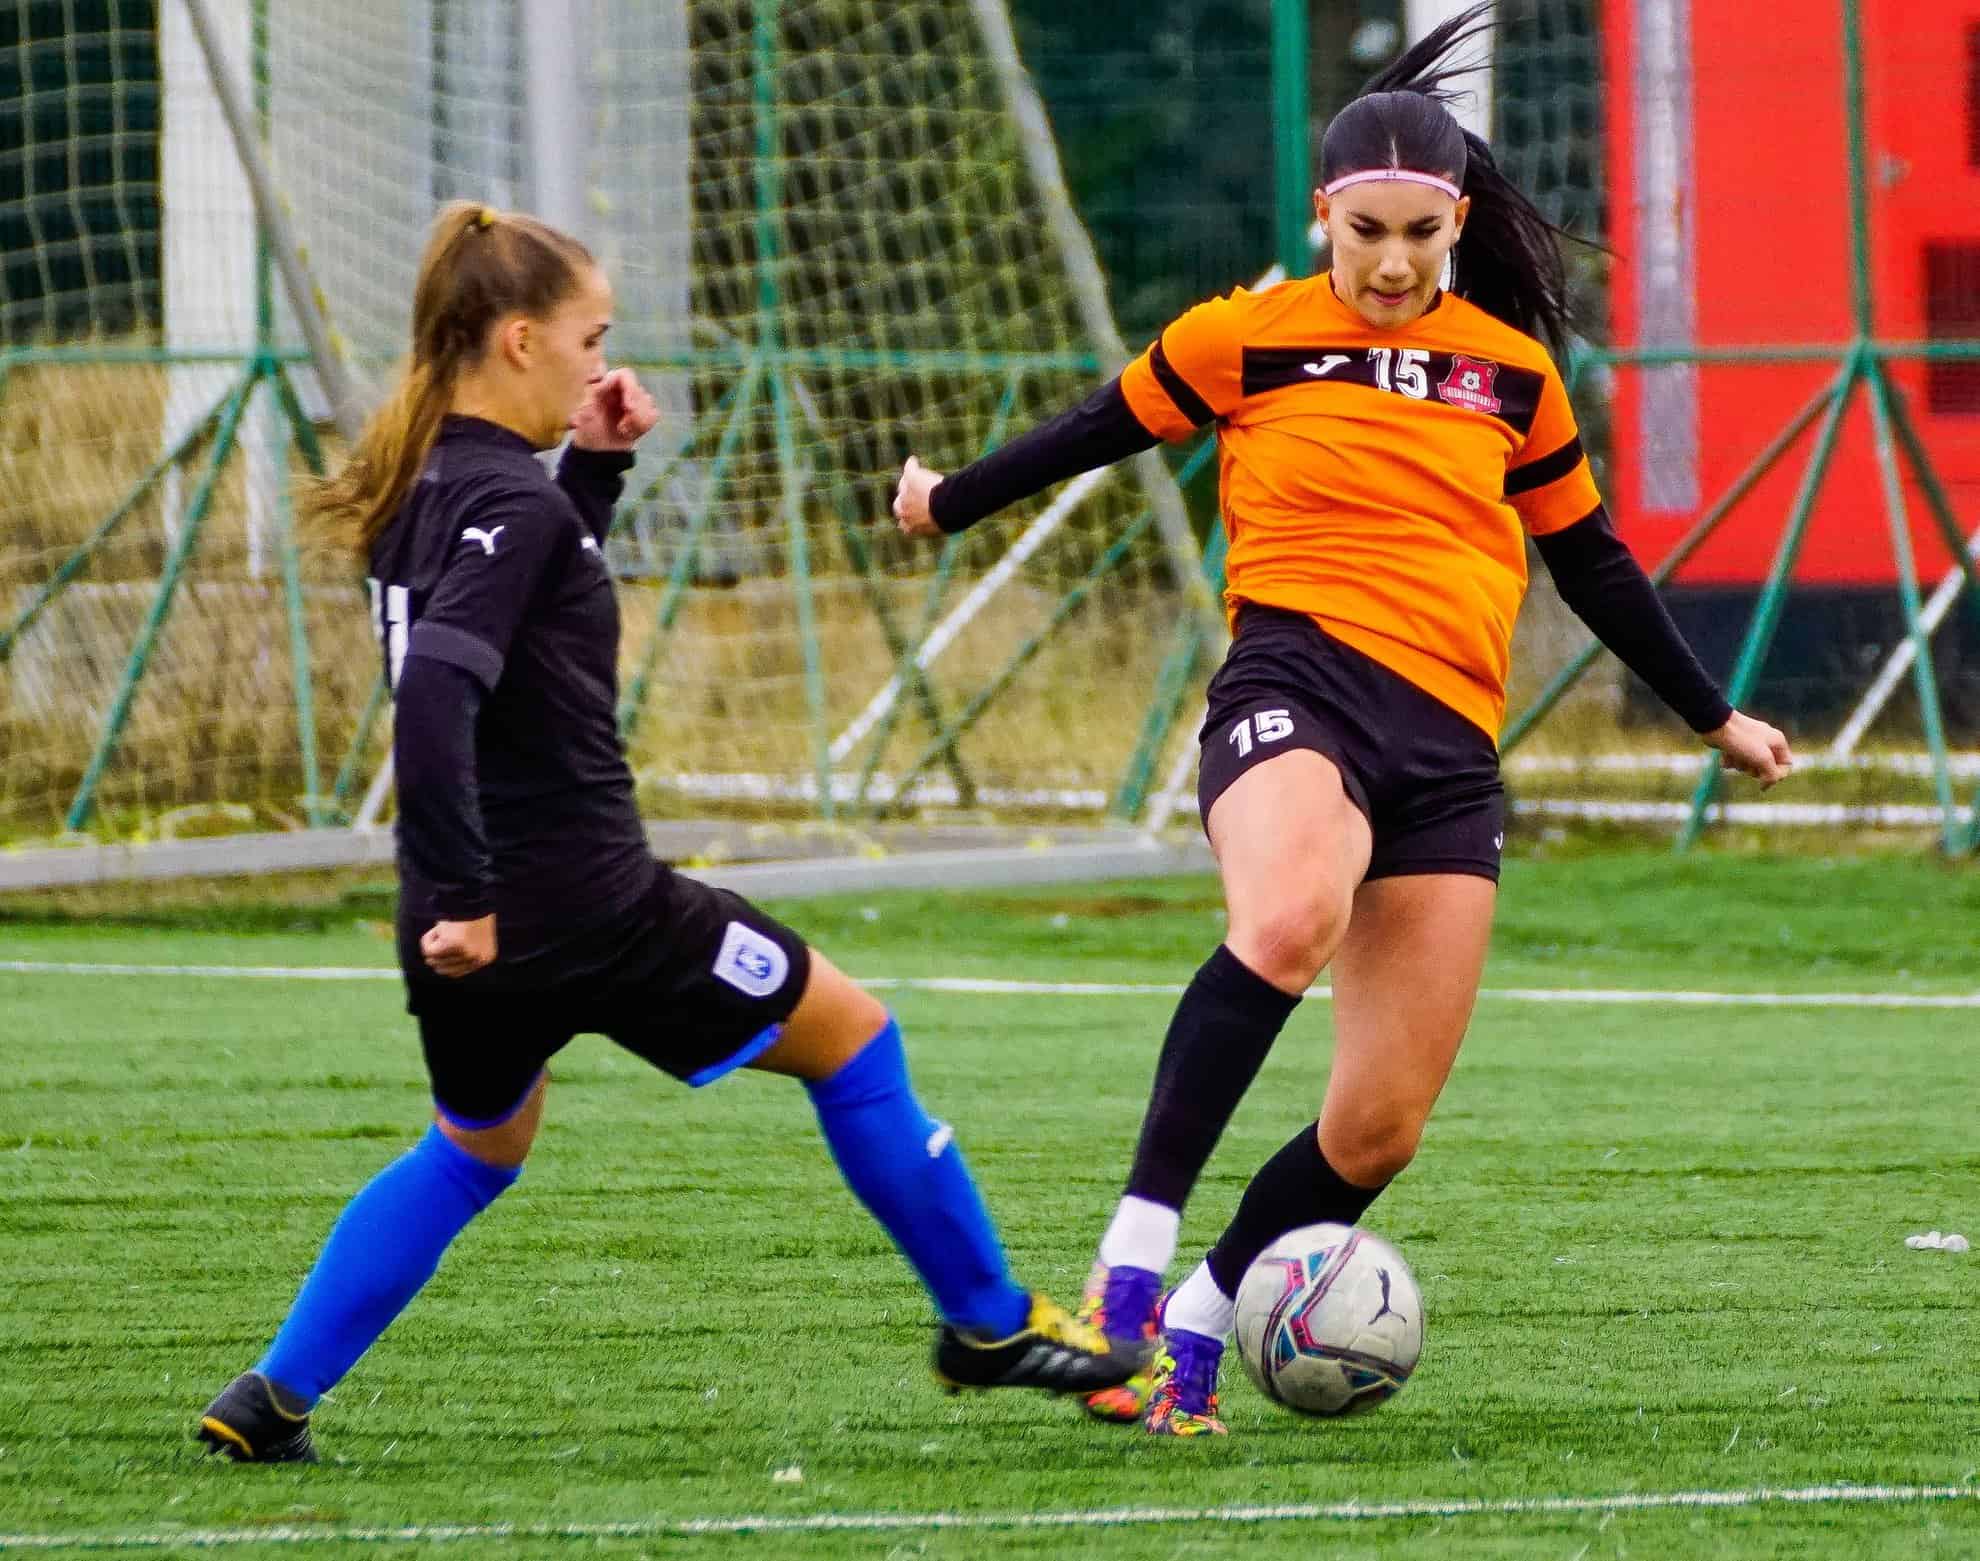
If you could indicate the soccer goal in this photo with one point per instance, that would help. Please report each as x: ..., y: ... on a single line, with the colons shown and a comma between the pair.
x: 838, y: 234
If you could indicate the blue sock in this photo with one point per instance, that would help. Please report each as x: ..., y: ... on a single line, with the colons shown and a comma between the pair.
x: 905, y: 1167
x: 383, y: 1248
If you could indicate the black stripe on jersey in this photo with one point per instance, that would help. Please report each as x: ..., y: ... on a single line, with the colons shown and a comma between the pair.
x: 1188, y: 402
x: 1549, y: 468
x: 1454, y: 379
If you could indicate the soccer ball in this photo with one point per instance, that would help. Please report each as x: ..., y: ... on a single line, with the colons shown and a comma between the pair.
x: 1329, y: 1321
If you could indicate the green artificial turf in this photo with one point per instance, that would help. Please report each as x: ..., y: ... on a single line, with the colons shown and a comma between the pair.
x: 1661, y: 1246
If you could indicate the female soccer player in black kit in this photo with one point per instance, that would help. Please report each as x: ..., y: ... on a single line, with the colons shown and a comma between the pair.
x: 530, y: 908
x: 1387, y: 449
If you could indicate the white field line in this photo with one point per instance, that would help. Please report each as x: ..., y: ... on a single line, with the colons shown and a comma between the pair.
x: 42, y: 967
x: 1089, y: 1518
x: 996, y: 986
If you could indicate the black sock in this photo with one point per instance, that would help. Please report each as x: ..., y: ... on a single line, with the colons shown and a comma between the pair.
x: 1224, y: 1026
x: 1295, y: 1187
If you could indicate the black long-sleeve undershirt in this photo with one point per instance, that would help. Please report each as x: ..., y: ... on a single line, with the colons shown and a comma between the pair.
x: 592, y: 479
x: 1600, y: 579
x: 440, y: 827
x: 1098, y: 432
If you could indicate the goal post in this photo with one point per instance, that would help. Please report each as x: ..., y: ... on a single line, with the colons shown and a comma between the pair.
x: 839, y: 234
x: 833, y: 244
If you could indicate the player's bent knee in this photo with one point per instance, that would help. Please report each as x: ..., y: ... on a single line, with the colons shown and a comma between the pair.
x: 496, y: 1148
x: 833, y: 1022
x: 506, y: 1143
x: 1290, y: 945
x: 1373, y: 1153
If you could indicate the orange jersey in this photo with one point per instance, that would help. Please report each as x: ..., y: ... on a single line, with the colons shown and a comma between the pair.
x: 1379, y: 481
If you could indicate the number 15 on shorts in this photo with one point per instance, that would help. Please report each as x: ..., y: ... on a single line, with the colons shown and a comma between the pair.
x: 1267, y: 726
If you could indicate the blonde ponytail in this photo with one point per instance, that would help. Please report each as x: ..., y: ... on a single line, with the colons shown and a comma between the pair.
x: 479, y: 265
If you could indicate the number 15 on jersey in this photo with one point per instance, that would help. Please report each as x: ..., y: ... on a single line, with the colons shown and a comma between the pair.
x: 1269, y: 726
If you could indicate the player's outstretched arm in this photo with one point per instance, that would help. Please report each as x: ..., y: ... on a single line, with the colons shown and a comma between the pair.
x: 1600, y: 579
x: 1101, y: 430
x: 1191, y: 375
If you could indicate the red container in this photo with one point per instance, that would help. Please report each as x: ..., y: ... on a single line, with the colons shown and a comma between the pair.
x: 1729, y: 215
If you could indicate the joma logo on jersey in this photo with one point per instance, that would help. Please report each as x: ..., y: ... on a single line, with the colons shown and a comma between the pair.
x: 1469, y: 385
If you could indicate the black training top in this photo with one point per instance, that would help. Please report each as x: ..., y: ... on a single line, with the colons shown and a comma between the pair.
x: 500, y: 630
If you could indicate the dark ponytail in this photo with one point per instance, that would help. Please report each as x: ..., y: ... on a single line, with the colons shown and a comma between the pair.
x: 1509, y: 260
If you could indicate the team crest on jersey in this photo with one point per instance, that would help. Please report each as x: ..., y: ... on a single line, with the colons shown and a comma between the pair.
x: 1469, y: 385
x: 750, y: 962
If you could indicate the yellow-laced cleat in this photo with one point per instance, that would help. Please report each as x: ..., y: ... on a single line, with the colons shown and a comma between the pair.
x: 1122, y: 1303
x: 1053, y: 1351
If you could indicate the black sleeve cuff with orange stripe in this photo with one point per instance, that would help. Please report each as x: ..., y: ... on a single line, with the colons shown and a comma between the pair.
x: 1098, y: 432
x: 1601, y: 580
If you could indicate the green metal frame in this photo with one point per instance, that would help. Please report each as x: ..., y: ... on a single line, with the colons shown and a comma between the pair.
x: 740, y: 398
x: 1292, y: 147
x: 1171, y: 687
x: 763, y: 365
x: 1862, y: 366
x: 176, y: 560
x: 914, y: 677
x: 905, y: 664
x: 316, y: 807
x: 770, y: 332
x: 983, y: 698
x: 263, y: 374
x: 345, y: 786
x: 768, y: 366
x: 1186, y: 651
x: 263, y: 369
x: 87, y: 549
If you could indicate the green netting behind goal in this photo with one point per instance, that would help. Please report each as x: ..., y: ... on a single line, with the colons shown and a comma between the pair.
x: 829, y: 253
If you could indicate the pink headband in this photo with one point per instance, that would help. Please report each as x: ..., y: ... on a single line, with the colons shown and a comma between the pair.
x: 1393, y: 176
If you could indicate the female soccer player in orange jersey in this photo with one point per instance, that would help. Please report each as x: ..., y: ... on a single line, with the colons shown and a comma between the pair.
x: 1387, y: 447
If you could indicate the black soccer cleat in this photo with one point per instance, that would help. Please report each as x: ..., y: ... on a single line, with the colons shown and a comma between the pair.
x: 1051, y: 1351
x: 251, y: 1423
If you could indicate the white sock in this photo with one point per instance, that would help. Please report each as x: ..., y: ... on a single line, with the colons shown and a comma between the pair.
x: 1198, y: 1306
x: 1143, y: 1235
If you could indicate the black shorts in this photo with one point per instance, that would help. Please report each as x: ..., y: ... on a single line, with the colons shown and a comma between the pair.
x: 697, y: 981
x: 1425, y: 777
